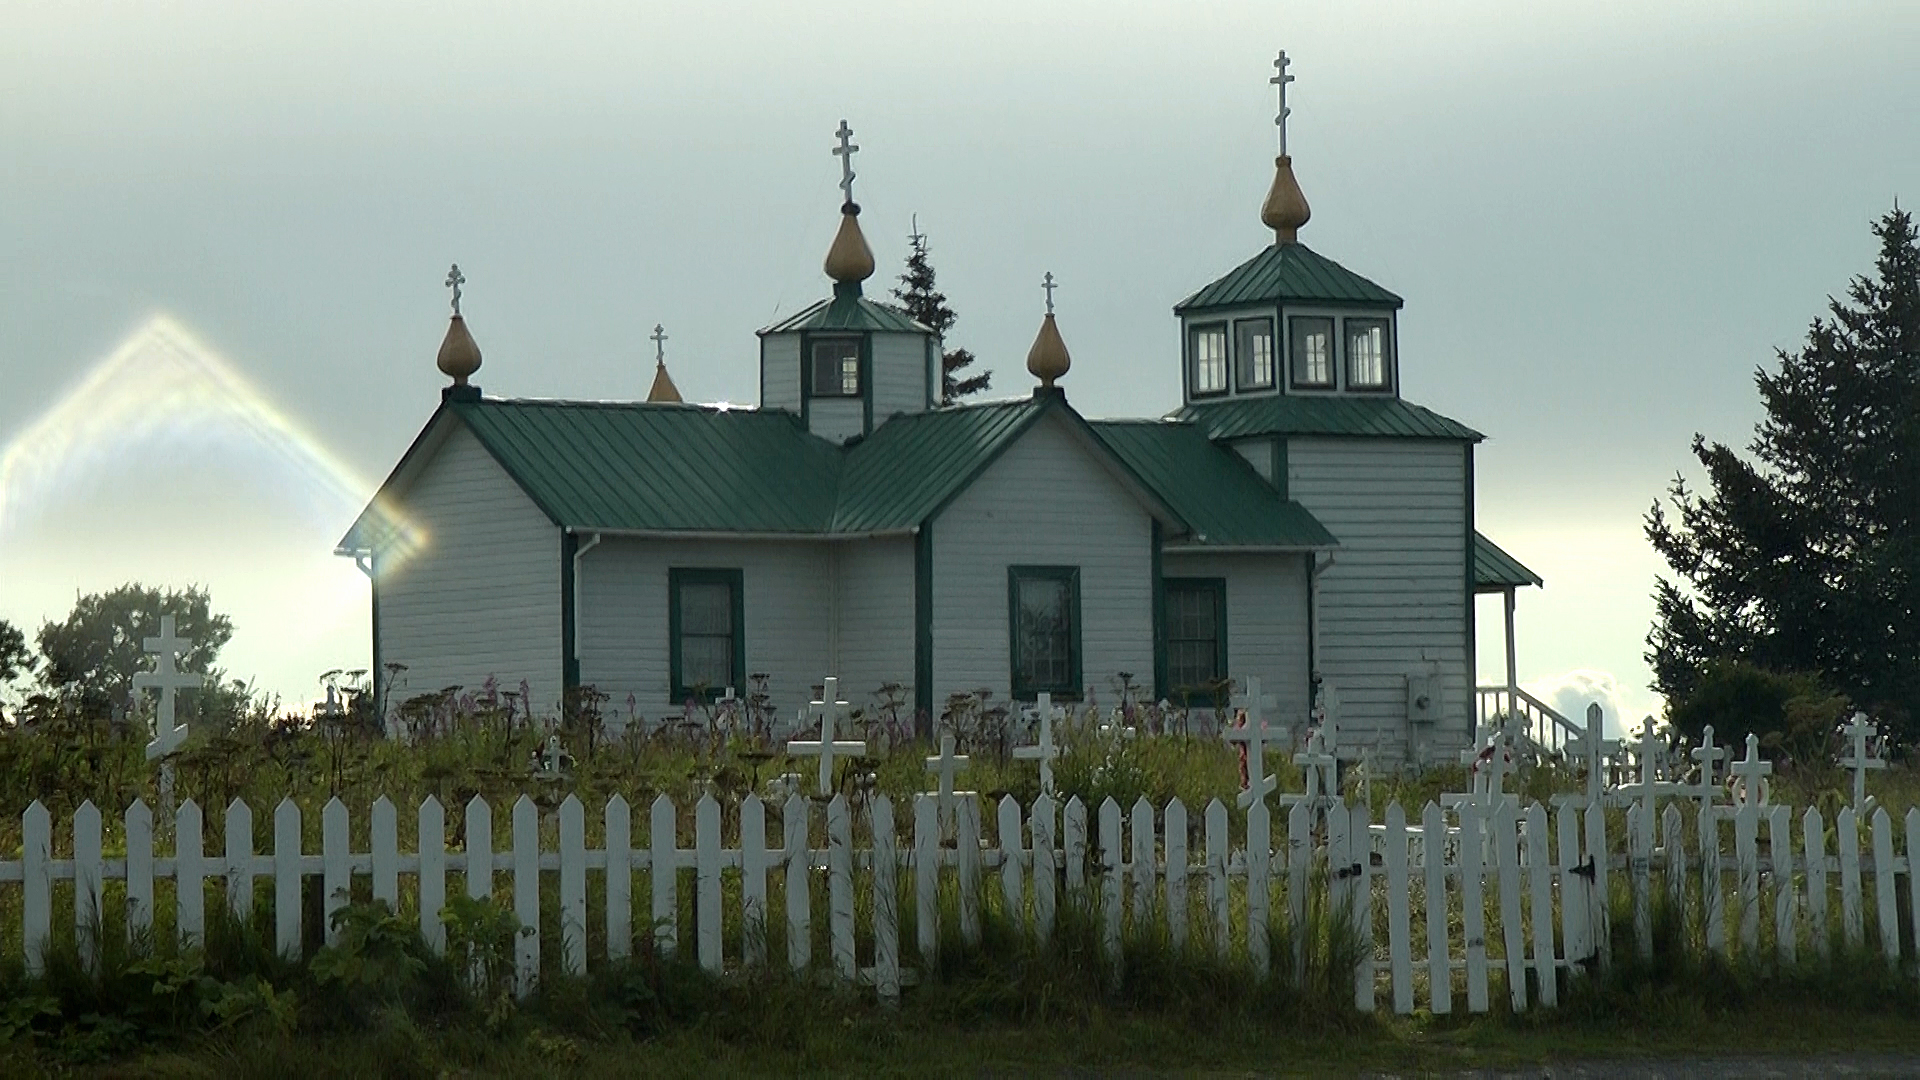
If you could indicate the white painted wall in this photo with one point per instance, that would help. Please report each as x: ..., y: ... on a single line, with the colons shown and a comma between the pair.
x: 875, y: 615
x: 481, y: 597
x: 837, y: 419
x: 1259, y: 454
x: 1046, y: 501
x: 1395, y: 601
x: 780, y: 372
x: 899, y: 375
x: 1266, y: 622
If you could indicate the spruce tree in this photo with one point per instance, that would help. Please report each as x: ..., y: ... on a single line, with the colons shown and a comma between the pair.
x: 928, y: 306
x: 1807, y: 559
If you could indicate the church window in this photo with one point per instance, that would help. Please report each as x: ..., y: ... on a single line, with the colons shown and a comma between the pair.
x: 1044, y: 628
x: 704, y: 615
x: 1196, y: 636
x: 836, y: 368
x: 1253, y: 354
x: 1312, y: 348
x: 1209, y: 349
x: 1367, y: 354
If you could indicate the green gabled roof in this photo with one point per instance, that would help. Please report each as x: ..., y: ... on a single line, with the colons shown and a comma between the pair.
x: 848, y: 310
x: 911, y: 465
x: 1213, y: 489
x: 1288, y: 272
x: 1494, y: 569
x: 1289, y: 414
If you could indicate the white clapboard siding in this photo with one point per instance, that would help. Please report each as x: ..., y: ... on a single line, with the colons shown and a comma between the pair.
x: 1395, y: 600
x: 780, y: 372
x: 836, y: 419
x: 900, y: 373
x: 480, y: 598
x: 1266, y: 622
x: 1048, y: 500
x: 872, y: 617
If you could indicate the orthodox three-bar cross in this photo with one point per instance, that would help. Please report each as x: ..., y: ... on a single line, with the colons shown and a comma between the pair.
x: 1044, y: 749
x: 167, y: 678
x: 830, y: 709
x: 455, y: 279
x: 948, y: 765
x: 659, y: 343
x: 1281, y: 79
x: 1049, y: 286
x: 845, y: 152
x: 1253, y: 733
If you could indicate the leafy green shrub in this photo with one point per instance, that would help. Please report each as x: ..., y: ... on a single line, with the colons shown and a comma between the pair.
x: 1794, y: 714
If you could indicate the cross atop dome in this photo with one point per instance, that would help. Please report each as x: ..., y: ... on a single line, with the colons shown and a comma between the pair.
x: 845, y: 152
x: 1281, y: 79
x: 1286, y: 208
x: 849, y: 260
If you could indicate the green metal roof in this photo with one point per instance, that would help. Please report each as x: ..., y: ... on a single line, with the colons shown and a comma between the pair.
x: 1288, y: 272
x: 1218, y: 494
x: 911, y: 465
x: 1495, y: 570
x: 1289, y: 414
x: 848, y: 310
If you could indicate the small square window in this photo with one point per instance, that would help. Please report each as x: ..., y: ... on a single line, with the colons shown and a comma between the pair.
x: 1366, y: 354
x: 836, y: 368
x: 1044, y: 627
x: 1208, y: 345
x: 1253, y: 353
x: 1311, y: 343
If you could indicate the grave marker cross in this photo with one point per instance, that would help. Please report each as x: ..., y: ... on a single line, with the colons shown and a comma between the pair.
x: 1596, y: 750
x: 830, y: 711
x: 1860, y: 759
x: 1252, y: 733
x: 167, y: 678
x: 1318, y: 768
x: 948, y: 765
x: 1748, y: 776
x: 1044, y: 749
x: 552, y: 759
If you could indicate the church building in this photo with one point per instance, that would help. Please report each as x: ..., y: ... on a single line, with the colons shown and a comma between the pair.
x: 1294, y: 519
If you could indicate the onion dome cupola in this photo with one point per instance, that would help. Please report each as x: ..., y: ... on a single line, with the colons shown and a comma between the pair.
x: 663, y: 391
x: 1048, y: 359
x: 845, y: 364
x: 1288, y: 321
x: 459, y: 355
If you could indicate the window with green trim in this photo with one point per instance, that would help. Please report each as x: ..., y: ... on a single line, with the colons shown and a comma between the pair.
x: 1367, y: 354
x: 1207, y: 347
x: 1044, y: 630
x: 1312, y: 351
x: 836, y: 367
x: 1196, y: 634
x: 705, y: 631
x: 1253, y: 354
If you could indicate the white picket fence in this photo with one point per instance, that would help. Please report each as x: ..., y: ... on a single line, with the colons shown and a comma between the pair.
x: 1466, y: 871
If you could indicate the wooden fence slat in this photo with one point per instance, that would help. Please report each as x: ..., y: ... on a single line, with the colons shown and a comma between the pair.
x: 754, y: 864
x: 1360, y: 899
x: 189, y: 875
x: 36, y: 906
x: 526, y: 895
x: 1175, y: 826
x: 1846, y: 836
x: 1640, y: 869
x: 1012, y: 891
x: 479, y: 849
x: 573, y: 886
x: 1046, y: 869
x: 1111, y: 911
x: 1886, y: 904
x: 926, y: 877
x: 619, y: 845
x: 1600, y: 898
x: 1576, y: 929
x: 886, y: 903
x: 1506, y: 857
x: 1780, y: 854
x: 967, y: 843
x: 1674, y: 841
x: 1219, y: 913
x: 336, y: 866
x: 795, y: 823
x: 1473, y: 905
x: 1299, y: 865
x: 1074, y: 850
x: 1433, y: 855
x: 1713, y: 905
x: 1814, y: 837
x: 664, y: 873
x: 1259, y: 887
x: 286, y: 878
x: 1746, y: 854
x: 706, y: 910
x: 1399, y: 918
x: 1145, y: 876
x: 239, y: 868
x: 840, y: 887
x: 1540, y: 874
x: 431, y: 843
x: 139, y: 870
x: 89, y: 876
x: 383, y: 834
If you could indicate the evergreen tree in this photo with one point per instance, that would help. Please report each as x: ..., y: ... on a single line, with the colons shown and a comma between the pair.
x: 1808, y: 558
x: 929, y: 307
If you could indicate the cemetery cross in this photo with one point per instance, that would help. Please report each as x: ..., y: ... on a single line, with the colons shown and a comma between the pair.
x: 1252, y: 733
x: 830, y: 711
x: 1044, y: 750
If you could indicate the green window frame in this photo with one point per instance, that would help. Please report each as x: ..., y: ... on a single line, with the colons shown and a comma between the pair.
x: 1310, y: 350
x: 1253, y: 354
x: 1195, y: 637
x: 1369, y: 354
x: 707, y: 655
x: 835, y: 367
x: 1043, y: 631
x: 1207, y: 366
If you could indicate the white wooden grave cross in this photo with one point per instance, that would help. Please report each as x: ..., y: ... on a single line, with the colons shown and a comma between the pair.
x: 1708, y: 757
x: 1860, y: 759
x: 1252, y: 733
x: 551, y: 760
x: 948, y: 765
x: 1747, y: 778
x: 830, y: 711
x: 1319, y: 768
x: 1648, y: 790
x: 167, y: 678
x: 1044, y: 750
x: 1596, y: 750
x: 1487, y: 766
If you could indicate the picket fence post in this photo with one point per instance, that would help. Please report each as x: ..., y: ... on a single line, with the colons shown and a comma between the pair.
x: 1012, y: 892
x: 926, y: 877
x: 664, y: 874
x: 755, y: 861
x: 286, y: 878
x: 383, y: 830
x: 431, y: 843
x: 1713, y: 907
x: 1259, y: 887
x: 1814, y: 836
x: 1046, y: 868
x: 619, y: 881
x: 88, y: 875
x: 240, y: 860
x: 1474, y: 823
x: 1746, y: 853
x: 1299, y: 866
x: 1886, y: 904
x: 1540, y: 873
x: 1846, y: 833
x: 526, y: 895
x: 36, y: 907
x: 1074, y: 851
x: 1144, y: 875
x: 709, y: 945
x: 1640, y: 868
x: 189, y: 876
x: 1576, y: 929
x: 1360, y: 896
x: 573, y: 886
x: 1111, y: 911
x: 336, y: 866
x: 840, y: 887
x: 1780, y: 853
x: 139, y: 869
x: 1506, y: 856
x: 886, y: 903
x: 1175, y: 826
x: 967, y: 839
x: 1600, y: 901
x: 1399, y: 918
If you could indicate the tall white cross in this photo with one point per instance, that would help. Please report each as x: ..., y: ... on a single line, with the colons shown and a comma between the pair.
x: 1281, y: 79
x: 845, y: 152
x: 1043, y: 750
x: 1252, y: 732
x: 1748, y: 776
x: 659, y: 343
x: 1048, y: 285
x: 455, y: 279
x: 830, y: 710
x: 1596, y: 750
x: 1318, y: 768
x: 167, y: 678
x: 948, y: 765
x: 1708, y: 757
x: 1858, y: 731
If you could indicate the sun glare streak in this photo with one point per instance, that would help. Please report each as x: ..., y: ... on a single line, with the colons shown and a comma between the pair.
x: 162, y: 386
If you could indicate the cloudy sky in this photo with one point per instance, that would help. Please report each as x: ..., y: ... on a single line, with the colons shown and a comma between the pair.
x: 224, y: 227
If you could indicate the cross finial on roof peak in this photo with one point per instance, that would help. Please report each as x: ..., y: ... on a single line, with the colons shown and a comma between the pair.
x: 659, y: 338
x: 1048, y: 285
x: 1281, y: 79
x: 455, y: 279
x: 845, y: 152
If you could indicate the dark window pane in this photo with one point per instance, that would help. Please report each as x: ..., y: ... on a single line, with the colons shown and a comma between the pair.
x: 1253, y: 353
x: 706, y: 608
x: 1209, y: 345
x: 707, y: 661
x: 1312, y: 347
x: 836, y: 368
x: 1193, y: 634
x: 1044, y: 631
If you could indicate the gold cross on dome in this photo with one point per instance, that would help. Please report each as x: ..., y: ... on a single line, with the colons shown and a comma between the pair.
x: 1281, y: 79
x: 1049, y: 286
x: 455, y: 279
x: 845, y: 152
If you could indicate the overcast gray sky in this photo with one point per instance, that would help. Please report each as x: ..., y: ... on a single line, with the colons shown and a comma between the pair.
x: 224, y: 227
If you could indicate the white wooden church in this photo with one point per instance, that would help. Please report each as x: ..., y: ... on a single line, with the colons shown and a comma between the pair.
x: 1294, y: 519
